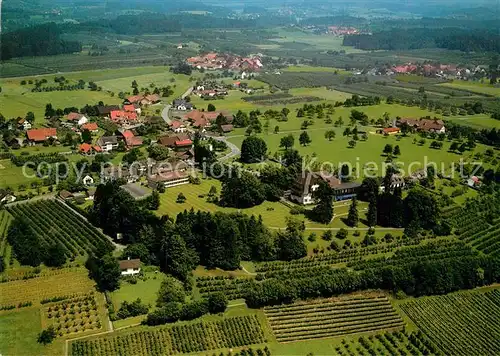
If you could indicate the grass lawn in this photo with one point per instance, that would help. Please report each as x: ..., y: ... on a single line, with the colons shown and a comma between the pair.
x: 19, y: 331
x: 481, y: 121
x: 367, y: 154
x: 477, y: 87
x: 146, y: 290
x: 168, y: 205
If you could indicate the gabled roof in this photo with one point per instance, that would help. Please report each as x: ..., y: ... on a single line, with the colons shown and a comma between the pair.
x: 106, y: 110
x: 129, y: 108
x: 107, y: 140
x: 126, y: 264
x: 91, y: 126
x: 117, y: 115
x: 227, y: 128
x: 392, y: 129
x: 38, y: 135
x: 176, y: 124
x: 133, y: 141
x: 74, y: 116
x: 127, y: 134
x: 182, y: 143
x: 135, y: 99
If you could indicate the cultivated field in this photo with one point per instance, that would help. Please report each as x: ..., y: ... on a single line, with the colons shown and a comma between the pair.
x: 56, y: 283
x: 53, y: 222
x: 464, y: 323
x: 332, y: 317
x: 193, y: 337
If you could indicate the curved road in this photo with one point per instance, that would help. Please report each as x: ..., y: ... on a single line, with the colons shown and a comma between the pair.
x: 235, y: 151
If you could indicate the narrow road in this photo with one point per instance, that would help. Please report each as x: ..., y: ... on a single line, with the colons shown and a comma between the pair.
x: 165, y: 114
x: 187, y: 93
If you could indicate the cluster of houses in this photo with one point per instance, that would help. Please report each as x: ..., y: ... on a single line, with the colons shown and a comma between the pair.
x: 444, y: 71
x: 342, y: 31
x: 214, y: 61
x: 210, y: 90
x: 419, y: 125
x: 201, y: 121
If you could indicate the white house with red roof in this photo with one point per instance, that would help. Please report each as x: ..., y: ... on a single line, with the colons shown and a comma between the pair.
x: 77, y: 119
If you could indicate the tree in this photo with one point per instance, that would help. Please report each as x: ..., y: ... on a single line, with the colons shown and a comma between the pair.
x: 137, y: 250
x: 388, y: 149
x: 105, y: 271
x: 290, y: 244
x: 49, y: 111
x: 158, y: 152
x: 243, y: 191
x: 86, y: 136
x: 453, y: 146
x: 304, y: 138
x: 342, y: 234
x: 217, y: 303
x: 371, y: 216
x: 287, y: 142
x: 330, y: 135
x: 47, y: 335
x: 253, y: 149
x: 213, y: 191
x: 171, y: 290
x: 30, y: 117
x: 323, y: 211
x: 181, y: 198
x: 397, y: 151
x: 211, y: 107
x: 176, y: 258
x: 292, y: 158
x: 55, y: 255
x: 421, y: 208
x: 352, y: 217
x: 26, y: 244
x: 352, y: 143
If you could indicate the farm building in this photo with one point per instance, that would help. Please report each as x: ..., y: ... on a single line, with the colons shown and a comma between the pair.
x: 130, y: 267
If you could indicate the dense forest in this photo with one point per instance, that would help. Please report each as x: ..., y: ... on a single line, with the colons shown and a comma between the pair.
x: 43, y: 40
x: 416, y: 38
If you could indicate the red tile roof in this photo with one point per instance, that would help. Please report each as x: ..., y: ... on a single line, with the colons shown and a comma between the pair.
x: 176, y: 124
x: 73, y: 116
x: 182, y: 143
x: 86, y: 148
x: 117, y: 115
x: 135, y: 98
x: 129, y: 108
x: 133, y: 141
x: 91, y: 126
x: 392, y: 129
x: 127, y: 134
x: 38, y: 135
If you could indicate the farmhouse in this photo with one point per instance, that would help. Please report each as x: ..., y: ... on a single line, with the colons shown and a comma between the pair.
x: 23, y: 124
x: 203, y: 119
x: 131, y: 140
x: 305, y: 186
x: 425, y: 125
x: 88, y: 149
x: 40, y: 135
x: 227, y: 128
x: 132, y: 108
x: 180, y: 142
x: 390, y: 131
x: 130, y: 267
x: 108, y: 143
x: 77, y: 119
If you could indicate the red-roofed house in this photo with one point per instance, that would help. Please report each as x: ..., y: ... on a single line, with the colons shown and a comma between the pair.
x: 40, y: 135
x: 127, y: 134
x: 88, y: 149
x: 133, y: 141
x: 391, y: 131
x: 183, y: 143
x: 135, y: 99
x: 123, y: 116
x: 91, y: 126
x: 177, y: 126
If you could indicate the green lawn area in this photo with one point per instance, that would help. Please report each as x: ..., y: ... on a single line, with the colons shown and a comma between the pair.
x: 12, y: 176
x: 481, y: 121
x: 274, y: 214
x: 19, y: 331
x: 367, y: 157
x: 477, y: 87
x: 17, y: 100
x: 146, y: 290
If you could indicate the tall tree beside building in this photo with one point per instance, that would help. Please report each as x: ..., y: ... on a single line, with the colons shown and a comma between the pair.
x: 290, y: 244
x: 323, y: 211
x: 352, y: 217
x: 371, y: 216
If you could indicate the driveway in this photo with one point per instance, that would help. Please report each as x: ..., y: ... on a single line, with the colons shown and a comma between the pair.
x: 235, y: 151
